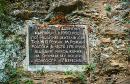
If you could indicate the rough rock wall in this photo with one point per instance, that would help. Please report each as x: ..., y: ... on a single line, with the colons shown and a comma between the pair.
x: 107, y: 36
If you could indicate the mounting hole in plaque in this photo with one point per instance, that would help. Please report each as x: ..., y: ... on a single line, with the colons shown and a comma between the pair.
x: 58, y: 45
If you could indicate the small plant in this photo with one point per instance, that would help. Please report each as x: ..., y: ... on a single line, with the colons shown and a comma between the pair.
x: 90, y: 67
x: 68, y: 72
x: 41, y: 72
x: 81, y: 76
x: 126, y: 21
x: 28, y: 82
x: 108, y: 8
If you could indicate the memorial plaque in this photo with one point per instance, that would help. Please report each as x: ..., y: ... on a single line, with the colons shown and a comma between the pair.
x: 58, y: 45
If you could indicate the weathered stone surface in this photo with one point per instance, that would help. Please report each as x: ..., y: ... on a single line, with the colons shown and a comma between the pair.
x: 66, y: 8
x: 105, y: 40
x: 60, y: 8
x: 124, y: 81
x: 121, y: 6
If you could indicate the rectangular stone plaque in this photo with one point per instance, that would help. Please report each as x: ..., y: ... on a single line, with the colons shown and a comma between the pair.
x: 57, y: 47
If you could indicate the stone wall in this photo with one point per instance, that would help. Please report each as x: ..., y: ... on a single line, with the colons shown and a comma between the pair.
x: 108, y: 39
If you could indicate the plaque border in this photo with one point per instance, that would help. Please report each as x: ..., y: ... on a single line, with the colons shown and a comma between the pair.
x: 28, y: 67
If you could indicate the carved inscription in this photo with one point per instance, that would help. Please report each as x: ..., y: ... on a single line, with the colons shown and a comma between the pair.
x: 52, y: 45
